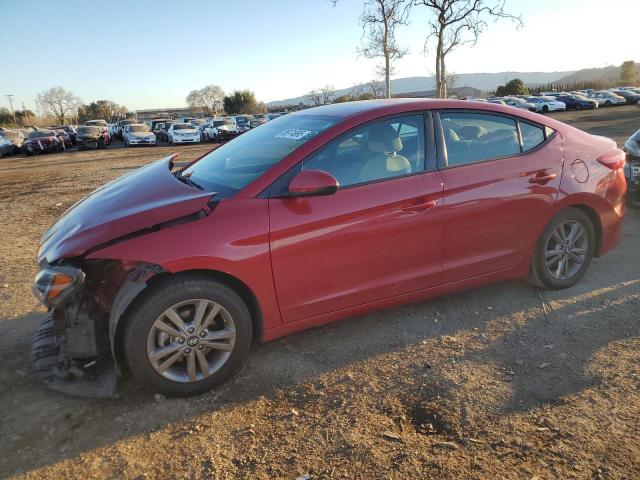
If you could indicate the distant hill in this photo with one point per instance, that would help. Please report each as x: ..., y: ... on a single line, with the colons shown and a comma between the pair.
x: 606, y: 75
x: 482, y: 81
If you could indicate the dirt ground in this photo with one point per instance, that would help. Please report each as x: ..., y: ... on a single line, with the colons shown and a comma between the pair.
x: 477, y: 385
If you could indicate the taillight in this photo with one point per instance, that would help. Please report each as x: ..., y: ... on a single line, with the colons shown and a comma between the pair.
x: 615, y: 159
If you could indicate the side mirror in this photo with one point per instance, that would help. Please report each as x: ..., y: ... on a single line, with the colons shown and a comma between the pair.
x: 313, y: 182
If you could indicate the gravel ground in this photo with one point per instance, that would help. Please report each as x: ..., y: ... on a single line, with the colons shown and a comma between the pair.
x: 498, y: 382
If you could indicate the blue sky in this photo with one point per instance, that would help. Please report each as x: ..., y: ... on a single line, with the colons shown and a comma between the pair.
x: 146, y: 54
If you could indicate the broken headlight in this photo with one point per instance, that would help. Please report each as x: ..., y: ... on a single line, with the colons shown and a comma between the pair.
x: 53, y: 285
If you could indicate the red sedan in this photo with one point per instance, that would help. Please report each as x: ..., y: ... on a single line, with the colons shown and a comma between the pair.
x: 317, y: 215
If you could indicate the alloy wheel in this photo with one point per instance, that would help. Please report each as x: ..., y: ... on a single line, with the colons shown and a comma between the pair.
x: 191, y: 340
x: 566, y: 250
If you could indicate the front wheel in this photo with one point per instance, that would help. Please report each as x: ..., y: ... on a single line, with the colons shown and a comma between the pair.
x: 545, y: 109
x: 564, y: 250
x: 187, y: 335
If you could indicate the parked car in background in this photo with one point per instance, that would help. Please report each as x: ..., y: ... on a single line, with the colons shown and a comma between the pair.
x: 163, y: 132
x: 156, y: 128
x: 183, y: 133
x: 519, y: 103
x: 242, y: 121
x: 64, y: 136
x: 122, y: 123
x: 577, y: 102
x: 103, y: 125
x: 632, y: 167
x: 252, y: 240
x: 223, y: 128
x: 91, y: 136
x: 16, y: 137
x: 43, y: 141
x: 607, y: 99
x: 69, y: 129
x: 139, y: 134
x: 257, y: 122
x: 6, y: 147
x: 631, y: 97
x: 546, y: 104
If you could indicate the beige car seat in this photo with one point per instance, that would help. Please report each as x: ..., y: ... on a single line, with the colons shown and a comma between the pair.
x: 384, y: 143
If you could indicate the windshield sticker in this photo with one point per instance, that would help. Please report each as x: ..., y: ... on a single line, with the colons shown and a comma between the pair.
x: 293, y: 134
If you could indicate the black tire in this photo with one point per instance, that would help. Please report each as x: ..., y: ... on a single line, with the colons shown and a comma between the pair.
x: 578, y: 106
x: 545, y: 108
x: 540, y: 274
x: 160, y: 297
x: 607, y: 103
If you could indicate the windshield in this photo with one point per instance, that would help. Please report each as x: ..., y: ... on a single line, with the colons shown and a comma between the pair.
x: 41, y: 134
x: 183, y: 126
x: 234, y: 165
x: 89, y: 130
x: 218, y: 123
x: 101, y: 123
x: 138, y: 128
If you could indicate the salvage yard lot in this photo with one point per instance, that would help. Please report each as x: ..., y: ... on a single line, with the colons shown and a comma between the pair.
x: 497, y: 382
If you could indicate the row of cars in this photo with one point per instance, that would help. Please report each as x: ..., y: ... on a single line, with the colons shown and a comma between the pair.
x: 187, y: 129
x: 32, y: 140
x: 577, y: 100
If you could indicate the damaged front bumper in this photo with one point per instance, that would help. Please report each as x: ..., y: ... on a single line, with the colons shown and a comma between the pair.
x: 73, y: 349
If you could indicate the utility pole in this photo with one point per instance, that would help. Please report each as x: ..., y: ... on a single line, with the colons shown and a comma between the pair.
x: 10, y: 97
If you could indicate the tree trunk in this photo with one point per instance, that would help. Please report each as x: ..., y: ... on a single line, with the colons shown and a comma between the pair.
x: 387, y: 76
x: 443, y: 75
x: 438, y: 68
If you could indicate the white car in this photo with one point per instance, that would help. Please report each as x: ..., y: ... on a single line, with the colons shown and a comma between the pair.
x: 547, y: 104
x: 138, y: 134
x: 183, y: 133
x: 606, y: 99
x: 220, y: 129
x: 519, y: 103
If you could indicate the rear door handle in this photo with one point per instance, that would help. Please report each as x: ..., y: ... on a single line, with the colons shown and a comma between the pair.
x: 420, y: 207
x: 542, y: 177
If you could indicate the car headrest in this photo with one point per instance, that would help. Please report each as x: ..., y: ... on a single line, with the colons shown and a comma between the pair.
x: 384, y: 139
x: 471, y: 132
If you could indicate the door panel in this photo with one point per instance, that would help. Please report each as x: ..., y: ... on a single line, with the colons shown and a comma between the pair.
x: 361, y: 244
x: 494, y: 210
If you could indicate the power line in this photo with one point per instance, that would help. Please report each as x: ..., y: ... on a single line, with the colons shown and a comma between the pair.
x: 10, y: 97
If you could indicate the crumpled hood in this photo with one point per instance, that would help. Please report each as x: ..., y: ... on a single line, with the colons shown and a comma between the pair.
x: 148, y: 196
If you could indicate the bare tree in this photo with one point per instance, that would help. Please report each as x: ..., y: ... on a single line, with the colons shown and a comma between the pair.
x: 456, y: 22
x: 59, y: 102
x: 326, y: 94
x: 358, y: 91
x: 315, y: 97
x: 377, y: 88
x: 209, y: 99
x: 379, y: 22
x: 451, y: 79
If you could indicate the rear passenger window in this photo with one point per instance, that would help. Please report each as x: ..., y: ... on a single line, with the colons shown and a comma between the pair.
x: 474, y: 137
x: 532, y: 136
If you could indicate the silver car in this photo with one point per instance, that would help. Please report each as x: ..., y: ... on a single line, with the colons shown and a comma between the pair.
x: 138, y: 134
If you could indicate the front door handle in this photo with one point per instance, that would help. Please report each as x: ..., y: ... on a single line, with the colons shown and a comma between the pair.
x: 542, y: 177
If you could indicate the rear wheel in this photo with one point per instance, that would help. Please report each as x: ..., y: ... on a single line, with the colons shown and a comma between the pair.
x: 578, y: 106
x: 187, y: 335
x: 564, y: 250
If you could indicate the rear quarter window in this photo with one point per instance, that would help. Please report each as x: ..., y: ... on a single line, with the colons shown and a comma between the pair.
x: 532, y: 136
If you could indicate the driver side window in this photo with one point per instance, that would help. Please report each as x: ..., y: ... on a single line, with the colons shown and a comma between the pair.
x: 386, y: 149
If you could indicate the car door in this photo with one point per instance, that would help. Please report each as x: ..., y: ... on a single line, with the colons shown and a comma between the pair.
x: 378, y: 236
x: 501, y: 178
